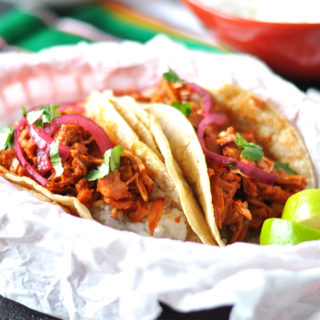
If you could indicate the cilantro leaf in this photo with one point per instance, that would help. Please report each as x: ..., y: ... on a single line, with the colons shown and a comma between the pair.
x: 171, y: 76
x: 284, y: 166
x: 43, y: 115
x: 250, y: 150
x: 55, y: 158
x: 39, y: 123
x: 33, y: 116
x: 252, y: 153
x: 185, y: 108
x: 111, y: 162
x: 50, y: 113
x: 24, y: 110
x: 6, y: 137
x: 116, y: 154
x: 100, y: 172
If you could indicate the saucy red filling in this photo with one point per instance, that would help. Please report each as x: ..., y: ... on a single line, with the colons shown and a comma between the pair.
x: 127, y: 189
x: 241, y: 203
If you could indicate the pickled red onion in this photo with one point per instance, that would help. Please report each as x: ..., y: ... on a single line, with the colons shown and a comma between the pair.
x: 74, y: 106
x: 207, y: 100
x: 247, y: 169
x: 256, y: 173
x: 20, y: 156
x: 43, y: 160
x: 43, y: 141
x: 95, y: 130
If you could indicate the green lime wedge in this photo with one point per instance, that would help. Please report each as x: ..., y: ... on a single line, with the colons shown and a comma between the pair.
x: 280, y: 231
x: 304, y: 207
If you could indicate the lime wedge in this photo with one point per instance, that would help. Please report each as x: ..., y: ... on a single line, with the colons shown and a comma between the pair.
x: 304, y: 207
x: 280, y: 231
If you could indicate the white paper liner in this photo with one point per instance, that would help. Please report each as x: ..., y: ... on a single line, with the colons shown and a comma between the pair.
x: 77, y: 269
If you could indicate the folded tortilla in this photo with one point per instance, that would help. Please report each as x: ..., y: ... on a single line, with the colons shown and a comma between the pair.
x: 279, y: 139
x: 114, y: 115
x: 156, y: 156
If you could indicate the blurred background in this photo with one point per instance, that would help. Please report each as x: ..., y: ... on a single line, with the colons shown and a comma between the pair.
x: 287, y: 40
x: 26, y: 23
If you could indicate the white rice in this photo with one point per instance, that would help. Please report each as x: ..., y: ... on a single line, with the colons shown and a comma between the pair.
x: 167, y: 227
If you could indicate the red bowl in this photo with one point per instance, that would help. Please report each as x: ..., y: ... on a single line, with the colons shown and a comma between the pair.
x: 291, y: 49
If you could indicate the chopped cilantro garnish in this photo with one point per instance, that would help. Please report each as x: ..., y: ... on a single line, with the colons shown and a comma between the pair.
x: 250, y: 150
x: 43, y: 115
x: 39, y: 123
x: 24, y: 111
x: 55, y: 158
x: 185, y: 108
x: 171, y: 76
x: 111, y: 162
x: 33, y: 116
x: 283, y: 166
x: 6, y: 137
x: 50, y: 113
x: 116, y: 154
x: 102, y: 171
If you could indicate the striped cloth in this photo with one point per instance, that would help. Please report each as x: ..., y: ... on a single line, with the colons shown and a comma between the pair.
x: 43, y: 28
x: 107, y: 20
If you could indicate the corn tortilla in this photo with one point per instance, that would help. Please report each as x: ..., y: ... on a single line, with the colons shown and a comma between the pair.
x: 274, y: 133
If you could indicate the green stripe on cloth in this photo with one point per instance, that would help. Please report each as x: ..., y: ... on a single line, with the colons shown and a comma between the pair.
x: 16, y: 25
x: 28, y: 31
x: 49, y: 37
x: 110, y: 23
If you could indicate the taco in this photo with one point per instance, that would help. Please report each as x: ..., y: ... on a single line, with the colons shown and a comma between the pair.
x: 242, y: 158
x: 93, y: 164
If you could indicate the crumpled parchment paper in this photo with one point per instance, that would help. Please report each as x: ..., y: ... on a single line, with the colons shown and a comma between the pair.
x: 77, y: 269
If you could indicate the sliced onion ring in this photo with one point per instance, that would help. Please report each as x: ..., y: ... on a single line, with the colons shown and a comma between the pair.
x: 43, y: 141
x: 43, y: 160
x: 247, y: 169
x: 207, y: 100
x: 95, y: 130
x: 256, y: 173
x: 75, y: 107
x: 218, y: 119
x: 20, y: 156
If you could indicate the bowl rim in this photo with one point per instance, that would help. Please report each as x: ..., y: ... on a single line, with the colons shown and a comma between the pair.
x: 240, y: 20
